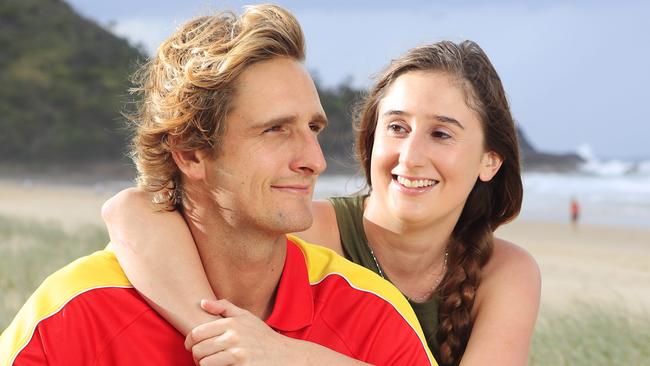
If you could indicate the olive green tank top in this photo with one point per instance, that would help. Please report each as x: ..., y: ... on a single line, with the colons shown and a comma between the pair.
x: 349, y: 216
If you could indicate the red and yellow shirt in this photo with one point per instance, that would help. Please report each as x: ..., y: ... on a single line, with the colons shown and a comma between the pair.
x: 89, y: 314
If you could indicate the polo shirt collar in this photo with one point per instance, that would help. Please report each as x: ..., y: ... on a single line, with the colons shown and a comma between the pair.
x: 294, y: 302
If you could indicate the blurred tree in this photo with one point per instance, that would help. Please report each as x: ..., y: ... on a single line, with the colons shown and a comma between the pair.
x: 65, y: 81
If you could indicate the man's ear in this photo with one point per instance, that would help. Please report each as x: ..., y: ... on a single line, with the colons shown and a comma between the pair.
x: 490, y: 165
x: 191, y: 163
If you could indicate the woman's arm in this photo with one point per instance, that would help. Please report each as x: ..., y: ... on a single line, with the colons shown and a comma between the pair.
x: 158, y: 255
x: 149, y: 243
x: 506, y: 309
x: 157, y: 252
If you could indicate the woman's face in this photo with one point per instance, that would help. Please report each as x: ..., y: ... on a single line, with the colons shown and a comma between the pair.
x: 428, y: 150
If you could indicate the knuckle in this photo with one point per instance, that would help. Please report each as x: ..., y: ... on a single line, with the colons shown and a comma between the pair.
x: 194, y: 335
x: 239, y: 354
x: 233, y: 337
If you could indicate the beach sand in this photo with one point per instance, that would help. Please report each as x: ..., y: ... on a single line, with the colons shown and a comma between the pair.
x: 586, y: 265
x: 589, y: 264
x: 72, y: 206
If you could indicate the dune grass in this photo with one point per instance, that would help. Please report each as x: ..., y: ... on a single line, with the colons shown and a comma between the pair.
x: 587, y: 334
x: 31, y: 250
x: 592, y: 334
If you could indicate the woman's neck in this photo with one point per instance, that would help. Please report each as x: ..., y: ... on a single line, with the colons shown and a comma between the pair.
x: 406, y: 250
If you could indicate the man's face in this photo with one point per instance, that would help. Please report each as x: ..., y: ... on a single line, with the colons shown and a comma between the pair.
x: 263, y: 175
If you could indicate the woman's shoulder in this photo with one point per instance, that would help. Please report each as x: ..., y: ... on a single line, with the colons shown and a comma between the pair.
x: 510, y: 254
x: 509, y: 259
x: 511, y: 274
x: 506, y: 306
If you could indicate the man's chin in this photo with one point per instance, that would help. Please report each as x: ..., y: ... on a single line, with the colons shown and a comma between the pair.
x: 296, y: 222
x: 301, y: 225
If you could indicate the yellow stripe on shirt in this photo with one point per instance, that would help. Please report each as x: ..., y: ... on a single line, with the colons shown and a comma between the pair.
x: 98, y: 270
x: 323, y: 262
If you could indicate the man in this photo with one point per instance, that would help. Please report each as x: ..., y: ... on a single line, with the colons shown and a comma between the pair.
x: 227, y: 133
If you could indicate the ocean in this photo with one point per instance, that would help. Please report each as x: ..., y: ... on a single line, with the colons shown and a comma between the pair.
x: 614, y: 193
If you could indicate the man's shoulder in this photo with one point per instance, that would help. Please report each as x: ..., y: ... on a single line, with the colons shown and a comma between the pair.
x: 97, y: 270
x: 66, y: 294
x: 326, y: 268
x: 323, y: 263
x: 353, y: 298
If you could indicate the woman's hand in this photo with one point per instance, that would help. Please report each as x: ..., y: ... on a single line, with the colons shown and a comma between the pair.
x: 239, y: 338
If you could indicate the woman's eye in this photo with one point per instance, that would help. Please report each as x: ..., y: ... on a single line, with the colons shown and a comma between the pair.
x: 441, y: 135
x: 396, y: 128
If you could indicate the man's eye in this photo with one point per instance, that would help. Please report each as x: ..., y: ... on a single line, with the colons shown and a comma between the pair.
x: 316, y: 127
x: 275, y: 128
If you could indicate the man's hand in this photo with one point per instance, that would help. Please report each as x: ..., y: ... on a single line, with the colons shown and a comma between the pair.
x: 239, y: 338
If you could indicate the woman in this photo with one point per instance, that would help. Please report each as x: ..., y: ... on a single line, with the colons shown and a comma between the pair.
x: 438, y: 147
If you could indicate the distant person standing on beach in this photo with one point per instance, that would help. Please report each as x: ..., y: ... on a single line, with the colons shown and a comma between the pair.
x: 575, y: 212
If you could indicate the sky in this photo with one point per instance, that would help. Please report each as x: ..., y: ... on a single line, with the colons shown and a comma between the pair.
x: 577, y: 73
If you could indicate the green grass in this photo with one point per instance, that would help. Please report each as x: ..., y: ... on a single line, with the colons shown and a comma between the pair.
x: 587, y: 334
x: 30, y: 251
x: 592, y: 334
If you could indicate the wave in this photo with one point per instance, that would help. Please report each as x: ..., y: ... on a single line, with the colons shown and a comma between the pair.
x: 643, y: 168
x: 612, y: 167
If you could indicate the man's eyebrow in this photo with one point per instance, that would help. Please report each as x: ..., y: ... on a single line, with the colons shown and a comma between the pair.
x: 318, y: 117
x: 274, y: 121
x: 437, y: 117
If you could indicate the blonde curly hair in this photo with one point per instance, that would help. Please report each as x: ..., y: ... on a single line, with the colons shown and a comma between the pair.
x: 187, y: 88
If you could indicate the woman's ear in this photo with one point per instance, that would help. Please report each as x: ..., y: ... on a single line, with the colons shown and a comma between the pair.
x: 490, y: 165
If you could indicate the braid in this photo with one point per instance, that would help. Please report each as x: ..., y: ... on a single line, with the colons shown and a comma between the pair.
x: 469, y: 250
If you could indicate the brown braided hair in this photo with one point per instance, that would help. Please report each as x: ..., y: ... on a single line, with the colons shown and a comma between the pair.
x: 489, y: 205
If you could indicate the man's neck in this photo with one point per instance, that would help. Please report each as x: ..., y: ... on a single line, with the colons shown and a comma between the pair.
x: 243, y: 265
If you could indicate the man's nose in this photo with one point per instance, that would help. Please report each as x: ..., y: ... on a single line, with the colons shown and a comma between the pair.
x: 309, y: 156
